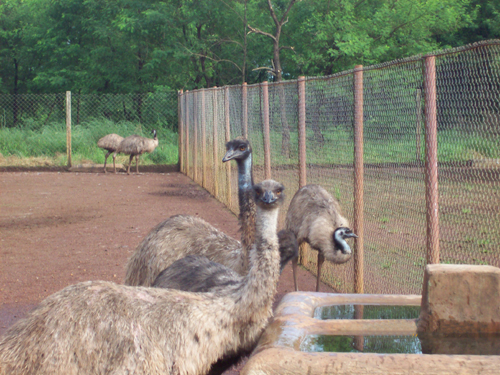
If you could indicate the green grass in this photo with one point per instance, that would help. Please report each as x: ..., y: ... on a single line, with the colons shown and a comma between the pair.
x: 48, y: 143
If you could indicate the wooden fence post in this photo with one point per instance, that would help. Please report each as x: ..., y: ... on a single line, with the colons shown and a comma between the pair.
x: 215, y: 142
x: 267, y: 141
x: 244, y: 108
x: 180, y: 129
x: 358, y: 180
x: 195, y: 135
x: 203, y: 141
x: 186, y: 113
x: 431, y: 168
x: 227, y: 126
x: 302, y: 131
x: 68, y: 127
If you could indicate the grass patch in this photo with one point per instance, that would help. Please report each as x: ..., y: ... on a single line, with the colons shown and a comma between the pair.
x: 32, y: 145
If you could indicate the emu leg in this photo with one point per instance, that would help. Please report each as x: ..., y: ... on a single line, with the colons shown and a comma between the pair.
x: 106, y: 159
x: 321, y: 259
x: 294, y: 269
x: 137, y: 164
x: 114, y: 165
x: 129, y: 162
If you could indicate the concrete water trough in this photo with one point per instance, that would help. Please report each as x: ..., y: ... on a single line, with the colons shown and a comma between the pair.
x: 457, y: 329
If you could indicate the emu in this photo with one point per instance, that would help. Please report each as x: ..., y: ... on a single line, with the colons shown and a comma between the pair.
x: 182, y: 235
x: 314, y: 216
x: 197, y: 273
x: 110, y: 143
x: 135, y: 145
x: 101, y: 327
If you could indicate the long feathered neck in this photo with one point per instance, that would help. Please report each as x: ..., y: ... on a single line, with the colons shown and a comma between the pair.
x: 245, y: 178
x: 247, y: 207
x: 257, y: 289
x: 340, y: 243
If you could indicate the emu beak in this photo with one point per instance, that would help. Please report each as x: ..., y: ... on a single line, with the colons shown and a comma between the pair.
x: 349, y: 235
x: 229, y: 156
x: 268, y: 197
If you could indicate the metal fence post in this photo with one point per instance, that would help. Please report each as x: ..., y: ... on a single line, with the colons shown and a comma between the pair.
x: 267, y: 141
x: 203, y: 141
x: 215, y: 142
x: 358, y: 180
x: 195, y: 135
x: 227, y: 127
x: 431, y: 170
x: 180, y: 130
x: 302, y: 131
x: 186, y: 113
x: 244, y: 108
x: 68, y: 127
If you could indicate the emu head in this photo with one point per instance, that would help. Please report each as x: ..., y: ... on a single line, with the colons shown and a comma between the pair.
x: 339, y: 239
x: 269, y: 194
x: 237, y: 149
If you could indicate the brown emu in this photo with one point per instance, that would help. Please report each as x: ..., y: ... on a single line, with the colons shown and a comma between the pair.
x: 99, y: 327
x: 314, y: 216
x: 110, y: 143
x: 197, y: 273
x: 135, y: 145
x: 182, y: 235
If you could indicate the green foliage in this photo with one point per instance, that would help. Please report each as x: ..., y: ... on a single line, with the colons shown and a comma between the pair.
x: 126, y: 46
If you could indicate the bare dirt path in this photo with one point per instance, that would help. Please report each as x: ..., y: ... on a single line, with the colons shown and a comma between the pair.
x: 57, y: 229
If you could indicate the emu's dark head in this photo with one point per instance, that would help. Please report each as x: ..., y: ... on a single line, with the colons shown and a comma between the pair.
x: 238, y: 149
x: 269, y: 194
x: 339, y: 239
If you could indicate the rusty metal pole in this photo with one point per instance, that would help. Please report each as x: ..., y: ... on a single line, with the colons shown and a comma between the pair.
x: 431, y: 167
x: 186, y: 148
x: 203, y: 141
x: 267, y: 141
x: 358, y: 180
x: 302, y: 131
x: 244, y: 108
x: 195, y: 135
x: 180, y: 130
x: 68, y: 127
x: 215, y: 142
x: 227, y: 126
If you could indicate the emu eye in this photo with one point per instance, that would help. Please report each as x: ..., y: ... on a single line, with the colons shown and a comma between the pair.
x: 278, y: 192
x: 242, y: 148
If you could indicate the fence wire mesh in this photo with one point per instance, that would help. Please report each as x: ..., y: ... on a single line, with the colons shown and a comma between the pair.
x: 394, y: 122
x: 33, y: 127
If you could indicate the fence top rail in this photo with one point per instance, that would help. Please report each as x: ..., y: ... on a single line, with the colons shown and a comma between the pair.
x: 406, y: 60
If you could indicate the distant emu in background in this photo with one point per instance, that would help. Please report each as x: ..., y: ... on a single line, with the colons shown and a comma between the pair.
x: 182, y: 235
x: 99, y: 327
x: 135, y: 145
x: 110, y: 143
x: 314, y: 216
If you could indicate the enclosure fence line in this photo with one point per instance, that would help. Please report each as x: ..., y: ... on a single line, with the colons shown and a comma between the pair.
x: 358, y: 134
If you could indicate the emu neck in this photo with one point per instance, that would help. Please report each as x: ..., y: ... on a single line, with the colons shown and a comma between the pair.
x: 341, y: 244
x: 247, y: 208
x: 258, y: 287
x: 245, y: 179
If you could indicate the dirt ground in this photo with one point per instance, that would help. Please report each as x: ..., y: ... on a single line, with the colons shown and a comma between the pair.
x: 61, y: 228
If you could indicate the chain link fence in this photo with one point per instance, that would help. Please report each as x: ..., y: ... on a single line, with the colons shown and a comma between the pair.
x: 450, y: 98
x: 33, y: 127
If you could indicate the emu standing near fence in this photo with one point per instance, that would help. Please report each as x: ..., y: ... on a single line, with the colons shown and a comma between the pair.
x: 181, y: 235
x: 135, y: 145
x: 314, y: 216
x: 110, y: 143
x: 102, y: 327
